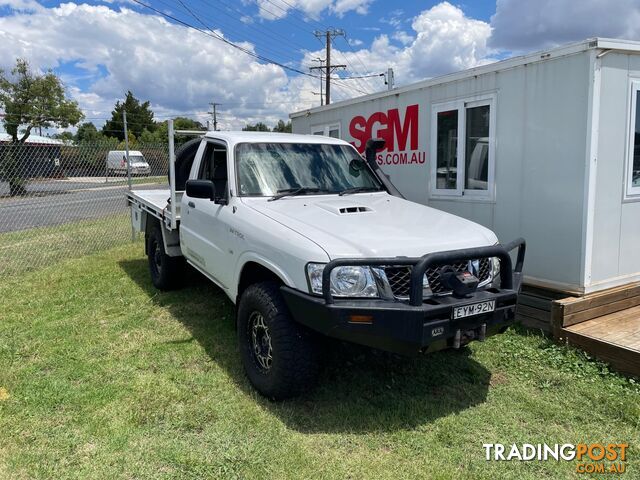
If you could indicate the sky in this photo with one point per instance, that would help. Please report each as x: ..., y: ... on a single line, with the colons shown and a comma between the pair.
x: 101, y: 49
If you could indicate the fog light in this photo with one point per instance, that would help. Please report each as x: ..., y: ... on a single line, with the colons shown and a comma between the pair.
x: 361, y: 319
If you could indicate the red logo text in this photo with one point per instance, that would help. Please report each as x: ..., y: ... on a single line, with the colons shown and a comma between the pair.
x: 400, y: 135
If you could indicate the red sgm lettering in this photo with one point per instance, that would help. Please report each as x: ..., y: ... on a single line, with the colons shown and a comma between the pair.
x: 389, y: 127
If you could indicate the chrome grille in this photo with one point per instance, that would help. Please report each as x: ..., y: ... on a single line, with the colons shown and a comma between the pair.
x: 399, y: 277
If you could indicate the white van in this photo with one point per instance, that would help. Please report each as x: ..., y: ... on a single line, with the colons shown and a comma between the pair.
x: 117, y: 163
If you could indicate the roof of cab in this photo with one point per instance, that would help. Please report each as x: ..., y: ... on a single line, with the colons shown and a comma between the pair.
x: 271, y: 137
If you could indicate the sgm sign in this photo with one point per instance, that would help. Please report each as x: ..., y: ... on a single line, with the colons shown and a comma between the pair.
x: 400, y: 133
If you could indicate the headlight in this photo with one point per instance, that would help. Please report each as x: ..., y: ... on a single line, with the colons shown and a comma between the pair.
x: 495, y: 272
x: 426, y: 289
x: 347, y: 281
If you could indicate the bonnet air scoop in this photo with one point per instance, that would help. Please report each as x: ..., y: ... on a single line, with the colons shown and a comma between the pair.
x: 341, y: 207
x: 356, y: 209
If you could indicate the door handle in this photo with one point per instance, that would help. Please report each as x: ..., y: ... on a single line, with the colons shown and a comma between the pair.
x: 191, y: 204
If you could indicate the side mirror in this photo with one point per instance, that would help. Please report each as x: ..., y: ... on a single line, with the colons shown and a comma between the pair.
x: 200, y: 189
x: 204, y: 189
x: 355, y: 166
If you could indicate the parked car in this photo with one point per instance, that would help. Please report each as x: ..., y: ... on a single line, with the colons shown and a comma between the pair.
x: 307, y: 238
x: 117, y: 163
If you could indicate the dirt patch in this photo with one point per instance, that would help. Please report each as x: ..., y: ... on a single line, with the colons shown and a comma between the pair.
x: 498, y: 378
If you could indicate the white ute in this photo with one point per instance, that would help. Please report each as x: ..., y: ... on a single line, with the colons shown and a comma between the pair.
x: 307, y: 238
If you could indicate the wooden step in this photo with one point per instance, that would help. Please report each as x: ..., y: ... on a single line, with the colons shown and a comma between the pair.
x: 613, y: 338
x: 574, y: 310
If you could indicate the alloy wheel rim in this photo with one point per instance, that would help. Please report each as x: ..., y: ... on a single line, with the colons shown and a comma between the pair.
x: 261, y: 348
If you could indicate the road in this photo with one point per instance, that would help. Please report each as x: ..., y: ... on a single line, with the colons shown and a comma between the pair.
x: 55, y: 206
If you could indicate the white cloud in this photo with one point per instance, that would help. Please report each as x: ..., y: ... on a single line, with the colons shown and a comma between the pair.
x: 447, y: 40
x: 177, y: 69
x: 403, y: 37
x: 521, y: 25
x: 276, y: 9
x: 340, y: 7
x: 395, y: 18
x: 21, y: 5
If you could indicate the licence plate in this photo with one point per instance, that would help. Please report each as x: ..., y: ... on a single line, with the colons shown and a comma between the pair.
x: 474, y: 309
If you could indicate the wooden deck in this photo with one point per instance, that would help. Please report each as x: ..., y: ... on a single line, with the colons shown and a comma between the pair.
x: 605, y: 324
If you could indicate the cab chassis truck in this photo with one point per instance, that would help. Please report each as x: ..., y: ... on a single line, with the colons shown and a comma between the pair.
x: 308, y: 238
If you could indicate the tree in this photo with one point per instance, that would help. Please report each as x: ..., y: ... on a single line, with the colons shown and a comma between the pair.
x: 258, y: 127
x: 64, y: 136
x: 139, y: 118
x: 34, y: 100
x: 31, y: 100
x: 282, y: 127
x: 88, y: 133
x: 179, y: 123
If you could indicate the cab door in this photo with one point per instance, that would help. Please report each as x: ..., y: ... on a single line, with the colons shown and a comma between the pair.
x: 204, y: 227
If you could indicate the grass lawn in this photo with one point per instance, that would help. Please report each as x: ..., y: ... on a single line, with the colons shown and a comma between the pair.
x: 101, y: 376
x: 26, y: 250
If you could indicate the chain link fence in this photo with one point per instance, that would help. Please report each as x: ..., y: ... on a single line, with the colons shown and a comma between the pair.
x: 60, y: 200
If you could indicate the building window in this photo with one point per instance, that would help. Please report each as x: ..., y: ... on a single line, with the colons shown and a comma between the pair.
x: 462, y: 144
x: 331, y: 130
x: 633, y: 154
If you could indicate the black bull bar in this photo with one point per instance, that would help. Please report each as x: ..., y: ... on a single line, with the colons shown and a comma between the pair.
x: 510, y: 276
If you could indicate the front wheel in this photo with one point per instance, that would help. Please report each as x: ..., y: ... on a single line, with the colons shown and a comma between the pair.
x: 279, y: 356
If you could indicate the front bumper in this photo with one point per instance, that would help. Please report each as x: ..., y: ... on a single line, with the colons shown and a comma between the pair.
x: 417, y: 325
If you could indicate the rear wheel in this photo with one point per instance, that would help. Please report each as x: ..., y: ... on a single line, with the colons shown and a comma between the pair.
x: 166, y: 272
x: 279, y: 355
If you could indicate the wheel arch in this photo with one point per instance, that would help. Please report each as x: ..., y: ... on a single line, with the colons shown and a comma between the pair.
x: 255, y: 270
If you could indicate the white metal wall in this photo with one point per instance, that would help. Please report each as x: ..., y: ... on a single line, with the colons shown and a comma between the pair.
x: 616, y: 233
x: 541, y: 124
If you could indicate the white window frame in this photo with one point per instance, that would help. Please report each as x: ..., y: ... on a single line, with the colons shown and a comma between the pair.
x: 631, y: 192
x: 326, y: 128
x: 461, y: 106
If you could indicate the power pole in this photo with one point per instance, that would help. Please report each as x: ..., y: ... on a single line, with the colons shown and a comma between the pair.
x: 329, y: 35
x: 320, y: 68
x: 215, y: 115
x: 126, y: 146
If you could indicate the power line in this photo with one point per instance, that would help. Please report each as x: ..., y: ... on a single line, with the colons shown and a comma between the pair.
x: 320, y: 68
x: 323, y: 26
x: 283, y: 52
x: 363, y: 76
x: 294, y: 10
x: 329, y: 33
x: 213, y: 34
x: 357, y: 56
x: 199, y: 20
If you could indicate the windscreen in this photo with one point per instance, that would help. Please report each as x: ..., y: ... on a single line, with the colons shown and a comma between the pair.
x: 137, y: 159
x: 264, y: 169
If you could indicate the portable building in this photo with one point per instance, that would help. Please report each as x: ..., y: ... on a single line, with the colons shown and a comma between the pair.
x: 544, y: 146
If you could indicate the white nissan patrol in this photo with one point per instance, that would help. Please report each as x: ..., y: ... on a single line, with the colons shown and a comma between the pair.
x: 308, y: 238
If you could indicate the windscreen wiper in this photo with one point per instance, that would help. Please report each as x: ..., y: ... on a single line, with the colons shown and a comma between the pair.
x: 292, y: 192
x: 358, y: 190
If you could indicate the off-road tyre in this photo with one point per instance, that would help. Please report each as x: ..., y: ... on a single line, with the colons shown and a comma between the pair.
x: 185, y: 155
x: 166, y: 272
x: 293, y: 367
